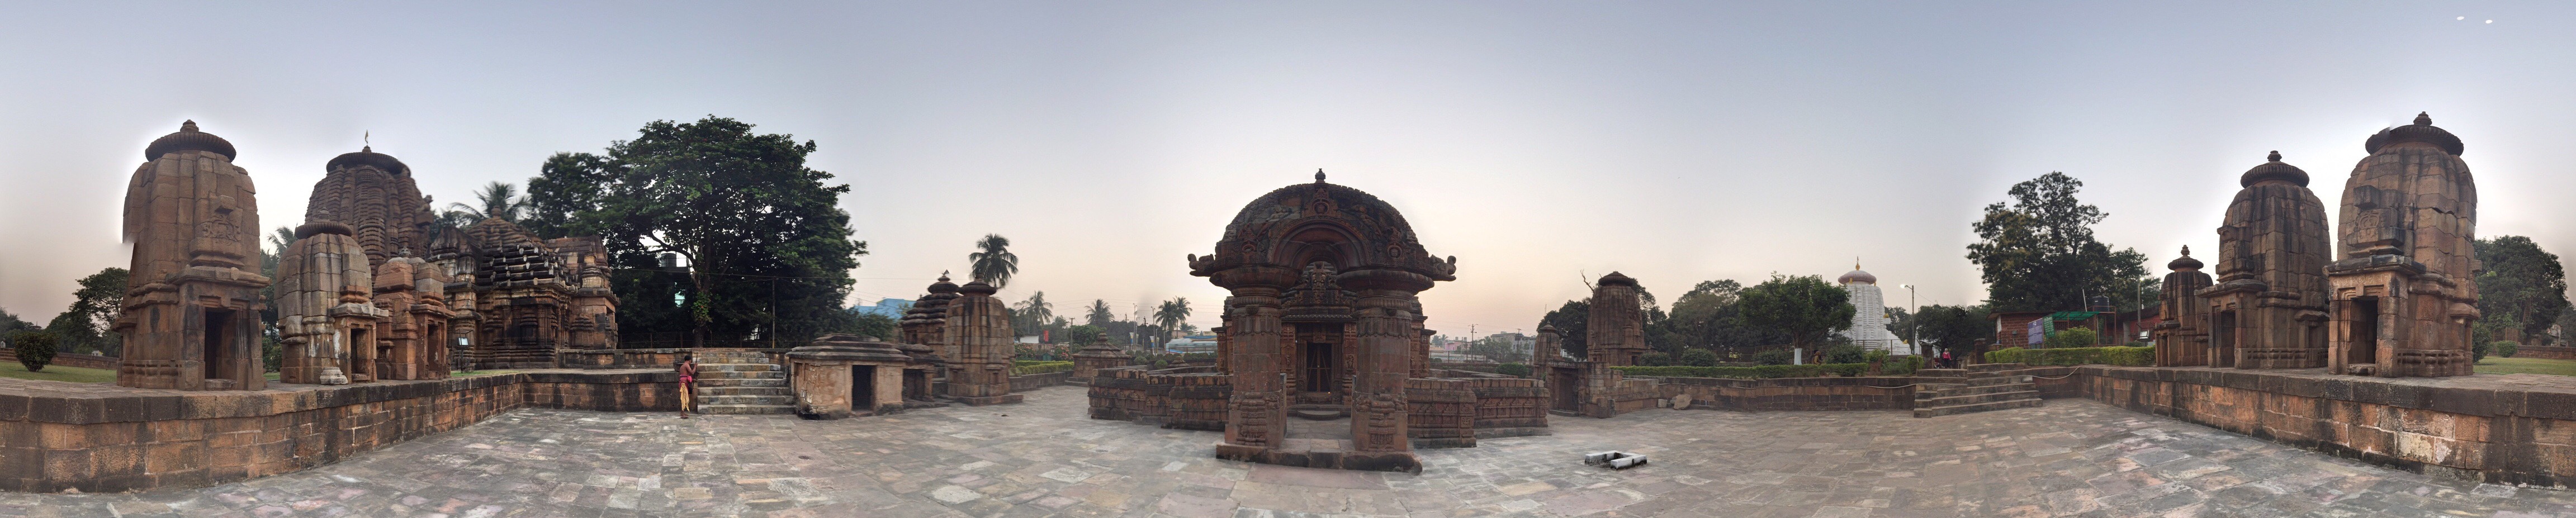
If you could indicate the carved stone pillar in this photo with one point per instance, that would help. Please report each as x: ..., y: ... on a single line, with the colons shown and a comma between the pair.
x: 1256, y: 419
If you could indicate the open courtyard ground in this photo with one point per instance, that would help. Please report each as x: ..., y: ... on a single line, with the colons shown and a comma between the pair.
x: 1044, y: 458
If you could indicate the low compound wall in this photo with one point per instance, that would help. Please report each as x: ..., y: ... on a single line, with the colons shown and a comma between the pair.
x: 2502, y: 428
x: 102, y: 438
x: 2547, y: 353
x: 86, y: 361
x: 1037, y: 381
x: 1450, y: 411
x: 1793, y: 394
x: 643, y: 358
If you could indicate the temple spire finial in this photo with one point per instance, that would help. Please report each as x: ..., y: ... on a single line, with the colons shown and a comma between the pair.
x: 1319, y: 175
x: 2276, y: 156
x: 366, y: 142
x: 2186, y: 250
x: 2423, y: 118
x: 188, y: 125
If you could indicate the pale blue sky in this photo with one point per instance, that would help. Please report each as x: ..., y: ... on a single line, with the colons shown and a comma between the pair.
x: 1672, y: 141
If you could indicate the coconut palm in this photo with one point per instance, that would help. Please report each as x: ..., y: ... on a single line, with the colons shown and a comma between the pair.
x: 995, y: 263
x: 1036, y: 311
x: 499, y: 199
x: 1100, y: 316
x: 1172, y: 312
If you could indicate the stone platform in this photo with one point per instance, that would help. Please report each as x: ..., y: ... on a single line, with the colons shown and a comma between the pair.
x: 99, y: 437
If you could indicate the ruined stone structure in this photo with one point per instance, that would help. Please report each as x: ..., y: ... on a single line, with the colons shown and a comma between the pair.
x: 979, y: 330
x: 926, y: 323
x: 1869, y: 313
x: 2405, y: 293
x: 323, y: 306
x: 2180, y: 340
x: 190, y: 318
x: 1323, y: 281
x: 2267, y: 310
x: 1615, y: 329
x: 1615, y: 336
x: 488, y: 296
x: 844, y: 375
x: 1099, y: 355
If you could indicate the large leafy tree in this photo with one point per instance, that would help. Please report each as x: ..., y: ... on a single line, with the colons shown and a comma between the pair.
x: 1709, y: 316
x: 83, y: 327
x: 498, y: 199
x: 992, y: 260
x: 1953, y: 328
x: 767, y: 247
x: 2522, y: 287
x: 2037, y: 252
x: 1803, y: 307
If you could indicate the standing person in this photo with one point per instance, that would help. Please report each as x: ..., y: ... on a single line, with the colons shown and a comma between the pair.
x: 688, y: 367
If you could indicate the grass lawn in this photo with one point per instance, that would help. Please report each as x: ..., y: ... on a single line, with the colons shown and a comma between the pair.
x: 58, y: 373
x: 2494, y: 365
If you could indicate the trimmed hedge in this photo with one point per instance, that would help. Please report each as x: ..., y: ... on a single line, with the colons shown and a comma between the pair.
x: 2122, y: 356
x: 1024, y: 368
x: 1813, y: 370
x: 35, y: 348
x: 1513, y: 369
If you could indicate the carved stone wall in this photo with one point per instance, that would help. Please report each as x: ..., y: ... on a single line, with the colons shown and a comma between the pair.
x: 2267, y: 309
x: 2180, y: 340
x: 323, y: 291
x: 1615, y: 332
x: 979, y: 329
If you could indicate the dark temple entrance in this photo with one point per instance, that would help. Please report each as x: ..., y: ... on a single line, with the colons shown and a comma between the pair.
x: 1319, y: 375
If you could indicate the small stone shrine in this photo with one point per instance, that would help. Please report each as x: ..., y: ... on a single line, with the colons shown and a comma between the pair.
x: 843, y: 375
x: 1615, y: 335
x: 2405, y: 293
x: 979, y: 330
x: 1098, y: 355
x: 190, y: 318
x: 2267, y: 310
x: 2180, y: 340
x: 322, y: 307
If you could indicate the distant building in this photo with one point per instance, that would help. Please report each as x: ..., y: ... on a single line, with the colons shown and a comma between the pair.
x: 889, y: 308
x: 1191, y: 344
x: 1869, y: 315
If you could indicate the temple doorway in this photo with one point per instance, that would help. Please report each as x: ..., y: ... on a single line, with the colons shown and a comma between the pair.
x: 1566, y: 390
x: 2364, y: 332
x: 863, y: 389
x: 2222, y: 350
x: 1319, y: 375
x: 218, y: 343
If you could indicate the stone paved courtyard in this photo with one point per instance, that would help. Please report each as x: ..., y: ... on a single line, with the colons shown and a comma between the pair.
x: 1043, y: 458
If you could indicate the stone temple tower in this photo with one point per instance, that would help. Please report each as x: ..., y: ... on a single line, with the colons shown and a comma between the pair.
x: 191, y: 314
x: 2268, y: 309
x: 324, y: 315
x: 2405, y: 293
x: 1869, y: 315
x: 1615, y: 331
x: 2180, y: 339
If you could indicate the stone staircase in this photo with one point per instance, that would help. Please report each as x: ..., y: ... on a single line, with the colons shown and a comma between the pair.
x: 742, y: 383
x: 1975, y: 395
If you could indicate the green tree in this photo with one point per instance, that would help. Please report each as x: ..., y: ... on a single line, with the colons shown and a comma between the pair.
x: 1030, y: 316
x: 993, y: 261
x: 1100, y: 316
x: 2038, y: 252
x: 498, y: 199
x: 1804, y: 307
x: 1572, y: 321
x: 84, y: 326
x: 1081, y: 335
x: 1954, y: 328
x: 767, y: 246
x: 1171, y: 314
x: 2522, y: 287
x: 11, y: 322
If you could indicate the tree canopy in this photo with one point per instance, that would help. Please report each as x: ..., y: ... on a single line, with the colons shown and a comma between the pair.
x: 1804, y: 307
x: 1953, y: 328
x: 1572, y: 321
x: 768, y: 247
x: 83, y: 327
x: 2037, y: 252
x: 993, y: 261
x: 2522, y: 287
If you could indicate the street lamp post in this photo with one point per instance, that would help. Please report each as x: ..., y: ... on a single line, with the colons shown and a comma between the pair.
x: 1913, y: 321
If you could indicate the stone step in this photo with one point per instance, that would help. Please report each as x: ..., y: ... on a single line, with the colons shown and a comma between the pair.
x: 1995, y: 367
x: 1974, y: 389
x: 780, y: 381
x: 747, y: 400
x: 741, y: 391
x: 1964, y: 399
x: 1940, y: 373
x: 1997, y: 380
x: 1318, y: 414
x: 738, y: 367
x: 1976, y: 407
x: 746, y: 409
x: 742, y: 375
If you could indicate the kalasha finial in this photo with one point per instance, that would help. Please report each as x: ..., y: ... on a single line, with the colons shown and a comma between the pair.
x: 943, y: 276
x: 1319, y: 175
x: 2276, y: 156
x: 189, y: 125
x: 2423, y: 118
x: 2186, y: 249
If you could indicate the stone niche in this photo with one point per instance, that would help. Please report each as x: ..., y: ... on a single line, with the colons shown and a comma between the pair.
x: 843, y: 376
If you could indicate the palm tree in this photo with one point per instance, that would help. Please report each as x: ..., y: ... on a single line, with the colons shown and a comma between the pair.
x: 499, y: 199
x: 1100, y: 316
x: 1036, y: 312
x: 1172, y: 312
x: 995, y: 264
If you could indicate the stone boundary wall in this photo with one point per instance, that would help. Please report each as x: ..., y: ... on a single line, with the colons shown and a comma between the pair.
x: 104, y: 438
x: 2545, y: 352
x: 1037, y: 381
x: 1796, y: 394
x: 1450, y: 411
x: 2500, y: 428
x: 85, y: 361
x: 644, y: 358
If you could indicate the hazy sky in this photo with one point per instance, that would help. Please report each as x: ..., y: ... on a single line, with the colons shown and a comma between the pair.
x: 1539, y: 142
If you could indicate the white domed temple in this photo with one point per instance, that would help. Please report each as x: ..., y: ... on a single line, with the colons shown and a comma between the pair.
x: 1869, y: 315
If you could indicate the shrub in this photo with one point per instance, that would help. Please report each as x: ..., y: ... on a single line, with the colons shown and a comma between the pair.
x: 1846, y: 353
x: 2506, y: 348
x: 1812, y: 370
x: 2071, y: 338
x: 1699, y: 358
x: 1024, y: 367
x: 1657, y: 358
x: 35, y: 348
x: 1875, y: 355
x: 1902, y: 365
x: 2005, y: 355
x: 1773, y: 357
x: 1513, y: 369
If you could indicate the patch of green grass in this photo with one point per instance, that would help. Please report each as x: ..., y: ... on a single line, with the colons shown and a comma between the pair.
x: 2494, y: 365
x: 58, y: 373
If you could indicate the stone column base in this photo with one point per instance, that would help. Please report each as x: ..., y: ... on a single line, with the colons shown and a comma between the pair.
x: 1321, y: 454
